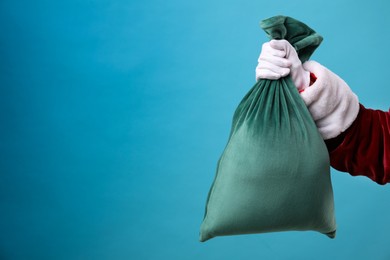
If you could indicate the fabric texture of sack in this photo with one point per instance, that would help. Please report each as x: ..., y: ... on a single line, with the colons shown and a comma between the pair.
x: 274, y: 173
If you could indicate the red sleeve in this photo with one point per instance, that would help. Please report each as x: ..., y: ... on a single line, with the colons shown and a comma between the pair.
x: 364, y: 148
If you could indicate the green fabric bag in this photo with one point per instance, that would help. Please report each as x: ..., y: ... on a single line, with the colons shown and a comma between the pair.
x: 274, y: 174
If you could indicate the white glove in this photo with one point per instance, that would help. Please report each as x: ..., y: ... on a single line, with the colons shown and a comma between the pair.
x: 332, y: 104
x: 277, y: 59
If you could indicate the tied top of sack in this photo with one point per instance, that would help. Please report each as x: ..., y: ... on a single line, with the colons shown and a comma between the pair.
x: 304, y: 39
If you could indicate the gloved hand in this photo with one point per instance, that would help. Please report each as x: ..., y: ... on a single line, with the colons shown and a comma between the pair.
x: 277, y: 59
x: 331, y: 102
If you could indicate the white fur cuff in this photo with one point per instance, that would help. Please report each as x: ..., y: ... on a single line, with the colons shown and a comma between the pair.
x: 330, y: 101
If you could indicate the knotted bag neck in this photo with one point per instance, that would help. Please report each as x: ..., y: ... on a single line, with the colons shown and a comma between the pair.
x: 304, y: 39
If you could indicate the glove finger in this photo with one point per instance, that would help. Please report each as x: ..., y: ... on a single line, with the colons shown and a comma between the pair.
x: 267, y: 50
x: 267, y: 74
x: 269, y: 66
x: 282, y: 45
x: 278, y: 61
x: 290, y: 51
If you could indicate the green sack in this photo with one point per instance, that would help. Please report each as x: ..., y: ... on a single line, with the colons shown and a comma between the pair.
x: 274, y: 174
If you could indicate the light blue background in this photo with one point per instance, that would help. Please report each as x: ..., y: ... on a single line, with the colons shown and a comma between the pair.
x: 114, y: 114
